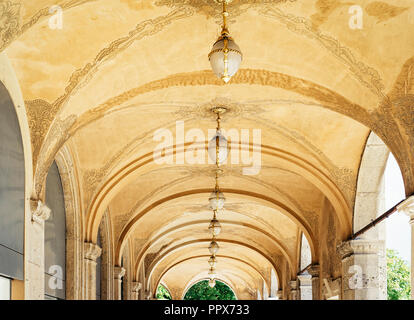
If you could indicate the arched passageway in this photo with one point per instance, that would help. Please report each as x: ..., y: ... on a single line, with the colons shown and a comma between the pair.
x: 105, y: 134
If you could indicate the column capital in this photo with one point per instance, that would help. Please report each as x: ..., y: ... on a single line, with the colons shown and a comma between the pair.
x: 360, y: 246
x: 119, y: 272
x: 91, y: 251
x: 40, y: 211
x: 293, y: 284
x: 314, y: 270
x: 136, y: 286
x: 407, y: 206
x: 303, y: 277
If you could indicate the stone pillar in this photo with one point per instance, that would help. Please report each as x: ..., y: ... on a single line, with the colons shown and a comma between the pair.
x: 305, y: 285
x: 91, y: 253
x: 314, y: 271
x: 34, y: 273
x: 136, y: 286
x: 119, y: 272
x: 294, y: 292
x: 408, y: 208
x: 332, y: 289
x: 364, y: 270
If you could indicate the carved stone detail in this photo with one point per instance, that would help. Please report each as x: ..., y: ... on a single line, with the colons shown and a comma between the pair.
x: 314, y: 270
x: 9, y: 22
x: 119, y: 273
x: 368, y: 76
x: 92, y: 251
x: 40, y: 212
x: 349, y: 248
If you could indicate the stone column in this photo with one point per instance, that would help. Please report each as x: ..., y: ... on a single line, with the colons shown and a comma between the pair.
x: 305, y: 285
x: 314, y: 271
x: 136, y: 286
x: 332, y: 289
x: 364, y: 270
x: 91, y: 253
x: 119, y: 272
x: 294, y: 292
x: 408, y: 208
x: 34, y: 272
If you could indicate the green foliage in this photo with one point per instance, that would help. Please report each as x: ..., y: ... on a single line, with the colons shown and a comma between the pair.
x: 398, y: 277
x: 202, y: 291
x: 162, y: 293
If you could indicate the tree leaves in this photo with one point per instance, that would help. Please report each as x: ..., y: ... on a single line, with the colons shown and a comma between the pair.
x: 398, y: 277
x: 202, y: 291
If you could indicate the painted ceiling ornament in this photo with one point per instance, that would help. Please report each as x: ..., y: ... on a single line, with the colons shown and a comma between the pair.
x: 225, y: 56
x: 9, y: 22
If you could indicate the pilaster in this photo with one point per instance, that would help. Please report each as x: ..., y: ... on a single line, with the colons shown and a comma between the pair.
x: 364, y: 270
x: 136, y: 287
x: 305, y: 285
x: 119, y: 273
x: 91, y: 253
x: 35, y: 251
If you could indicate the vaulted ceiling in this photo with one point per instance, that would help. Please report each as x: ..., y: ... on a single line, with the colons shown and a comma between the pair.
x: 119, y: 70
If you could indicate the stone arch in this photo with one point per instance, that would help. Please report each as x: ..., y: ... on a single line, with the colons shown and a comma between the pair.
x: 369, y: 200
x: 270, y: 202
x: 153, y: 241
x: 326, y: 97
x: 74, y: 222
x: 262, y: 276
x: 298, y: 165
x: 170, y: 251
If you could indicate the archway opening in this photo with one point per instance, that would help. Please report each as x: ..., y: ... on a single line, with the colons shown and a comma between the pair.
x: 163, y: 293
x: 202, y: 291
x: 12, y: 196
x: 398, y: 235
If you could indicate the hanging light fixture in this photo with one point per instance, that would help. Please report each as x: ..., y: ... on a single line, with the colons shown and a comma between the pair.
x: 217, y: 199
x: 212, y: 262
x: 225, y: 57
x: 214, y: 247
x: 218, y: 149
x: 212, y: 273
x: 215, y: 226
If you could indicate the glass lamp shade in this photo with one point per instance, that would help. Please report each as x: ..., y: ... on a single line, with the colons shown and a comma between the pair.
x: 223, y: 150
x: 212, y: 262
x: 214, y: 227
x: 214, y: 247
x: 212, y: 283
x: 217, y: 200
x: 212, y: 273
x: 222, y: 68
